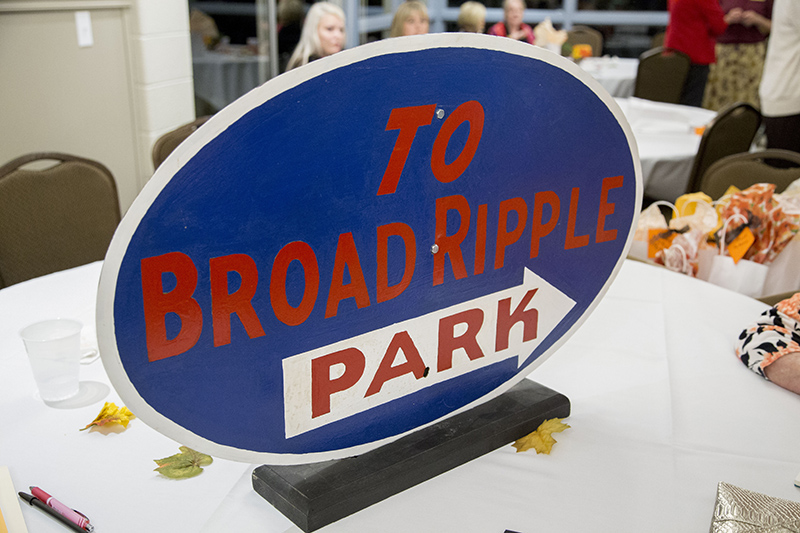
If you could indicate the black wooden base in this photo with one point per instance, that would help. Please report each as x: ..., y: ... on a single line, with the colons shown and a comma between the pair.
x: 316, y: 494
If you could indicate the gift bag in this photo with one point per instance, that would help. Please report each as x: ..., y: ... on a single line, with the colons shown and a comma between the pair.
x: 674, y: 258
x: 772, y: 226
x: 697, y: 211
x: 745, y: 276
x: 705, y: 260
x: 650, y: 220
x: 784, y: 271
x: 682, y: 254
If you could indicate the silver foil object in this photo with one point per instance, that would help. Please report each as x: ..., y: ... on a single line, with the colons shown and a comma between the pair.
x: 740, y: 510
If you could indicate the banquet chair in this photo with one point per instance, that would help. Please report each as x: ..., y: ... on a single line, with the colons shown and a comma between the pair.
x: 658, y: 39
x: 586, y: 35
x: 170, y: 140
x: 54, y: 216
x: 731, y: 132
x: 746, y: 169
x: 773, y: 299
x: 661, y: 75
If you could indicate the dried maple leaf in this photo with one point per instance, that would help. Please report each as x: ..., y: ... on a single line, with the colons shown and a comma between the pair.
x: 111, y: 414
x: 542, y: 439
x: 183, y: 465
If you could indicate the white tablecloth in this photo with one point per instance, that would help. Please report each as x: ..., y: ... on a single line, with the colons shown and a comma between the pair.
x: 667, y: 137
x: 661, y: 411
x: 221, y: 78
x: 616, y: 74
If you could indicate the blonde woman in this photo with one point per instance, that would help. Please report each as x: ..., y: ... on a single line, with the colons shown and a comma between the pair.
x: 323, y: 34
x: 472, y: 17
x: 411, y: 18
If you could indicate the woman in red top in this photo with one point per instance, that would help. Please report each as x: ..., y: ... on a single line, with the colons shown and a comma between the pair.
x: 693, y: 29
x: 512, y: 25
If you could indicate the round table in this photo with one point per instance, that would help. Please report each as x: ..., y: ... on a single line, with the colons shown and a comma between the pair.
x: 667, y: 136
x: 662, y: 411
x: 222, y: 77
x: 617, y: 75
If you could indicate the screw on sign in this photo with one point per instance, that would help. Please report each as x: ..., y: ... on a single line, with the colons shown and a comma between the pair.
x: 353, y: 278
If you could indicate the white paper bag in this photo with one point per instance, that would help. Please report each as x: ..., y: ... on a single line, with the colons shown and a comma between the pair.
x: 650, y: 218
x: 745, y: 277
x: 638, y: 250
x: 705, y: 260
x: 784, y: 271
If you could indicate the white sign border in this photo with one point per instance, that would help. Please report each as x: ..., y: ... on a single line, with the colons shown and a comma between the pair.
x: 232, y: 113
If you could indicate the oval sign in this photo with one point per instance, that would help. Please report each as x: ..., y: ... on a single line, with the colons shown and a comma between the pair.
x: 367, y: 245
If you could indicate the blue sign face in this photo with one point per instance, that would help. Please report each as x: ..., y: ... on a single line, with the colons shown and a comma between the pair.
x: 366, y: 245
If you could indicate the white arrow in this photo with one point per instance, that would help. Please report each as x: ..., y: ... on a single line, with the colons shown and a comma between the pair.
x: 425, y: 332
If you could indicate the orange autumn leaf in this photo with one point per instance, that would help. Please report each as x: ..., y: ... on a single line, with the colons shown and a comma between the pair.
x: 542, y: 439
x: 111, y: 414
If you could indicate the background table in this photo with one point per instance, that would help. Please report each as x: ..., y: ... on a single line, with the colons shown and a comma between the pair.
x: 616, y: 74
x: 222, y: 77
x: 667, y: 137
x: 662, y: 411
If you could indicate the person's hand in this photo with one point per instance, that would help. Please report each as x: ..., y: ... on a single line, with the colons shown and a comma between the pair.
x: 785, y: 372
x: 518, y: 35
x: 751, y: 18
x: 734, y: 16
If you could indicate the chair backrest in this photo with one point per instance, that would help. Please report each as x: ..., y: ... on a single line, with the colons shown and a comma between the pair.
x: 169, y: 141
x: 780, y: 167
x: 586, y: 35
x: 775, y: 299
x: 661, y: 75
x: 54, y: 218
x: 731, y: 132
x: 658, y: 39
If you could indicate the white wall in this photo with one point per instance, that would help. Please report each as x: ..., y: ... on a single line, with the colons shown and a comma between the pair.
x: 163, y: 86
x: 109, y: 101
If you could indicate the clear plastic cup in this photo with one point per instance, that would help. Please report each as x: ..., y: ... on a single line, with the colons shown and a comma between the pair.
x: 54, y: 352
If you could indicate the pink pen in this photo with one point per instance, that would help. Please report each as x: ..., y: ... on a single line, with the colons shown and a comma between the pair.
x: 70, y: 514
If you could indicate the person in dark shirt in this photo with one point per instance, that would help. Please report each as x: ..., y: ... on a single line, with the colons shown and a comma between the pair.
x: 740, y: 53
x: 290, y: 25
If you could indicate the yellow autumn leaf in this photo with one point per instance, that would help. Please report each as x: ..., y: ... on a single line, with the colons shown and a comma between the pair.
x: 111, y: 414
x: 542, y: 439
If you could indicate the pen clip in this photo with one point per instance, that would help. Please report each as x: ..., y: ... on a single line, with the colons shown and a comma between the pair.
x: 89, y: 527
